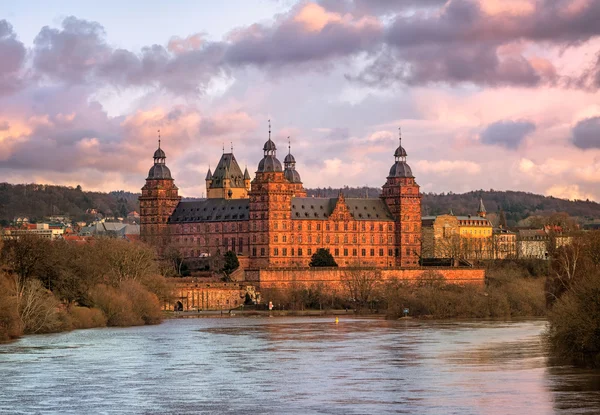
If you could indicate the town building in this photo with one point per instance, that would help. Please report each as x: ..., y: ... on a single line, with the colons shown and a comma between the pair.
x: 450, y: 236
x: 269, y: 221
x: 42, y: 230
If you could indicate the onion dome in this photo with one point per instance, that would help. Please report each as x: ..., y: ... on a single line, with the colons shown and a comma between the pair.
x: 160, y: 169
x: 292, y: 176
x: 269, y: 146
x: 400, y: 168
x: 269, y: 163
x: 400, y: 152
x: 289, y: 159
x: 289, y: 163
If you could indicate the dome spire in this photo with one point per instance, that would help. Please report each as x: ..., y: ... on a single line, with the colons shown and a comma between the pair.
x: 400, y: 153
x: 158, y: 138
x: 269, y: 129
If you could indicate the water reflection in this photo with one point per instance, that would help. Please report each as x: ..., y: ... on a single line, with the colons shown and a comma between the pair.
x: 294, y: 365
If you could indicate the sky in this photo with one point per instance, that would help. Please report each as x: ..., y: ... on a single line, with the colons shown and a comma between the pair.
x: 489, y: 94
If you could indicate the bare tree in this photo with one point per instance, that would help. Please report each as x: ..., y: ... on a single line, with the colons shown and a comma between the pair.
x: 361, y: 284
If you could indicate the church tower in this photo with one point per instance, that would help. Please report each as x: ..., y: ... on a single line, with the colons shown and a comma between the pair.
x: 270, y: 207
x: 402, y: 195
x: 157, y: 202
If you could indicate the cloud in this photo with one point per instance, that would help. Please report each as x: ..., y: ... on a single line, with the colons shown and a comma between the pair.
x: 12, y: 53
x: 378, y: 7
x: 78, y: 53
x: 586, y: 134
x: 570, y: 192
x: 468, y: 42
x: 447, y: 167
x: 308, y: 33
x: 508, y: 134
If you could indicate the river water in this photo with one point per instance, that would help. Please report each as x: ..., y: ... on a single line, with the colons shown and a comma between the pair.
x: 294, y: 365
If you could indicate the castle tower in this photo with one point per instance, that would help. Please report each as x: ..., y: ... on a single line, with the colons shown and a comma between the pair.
x: 402, y: 195
x: 290, y: 173
x: 270, y: 207
x: 227, y: 181
x: 481, y: 209
x: 157, y: 202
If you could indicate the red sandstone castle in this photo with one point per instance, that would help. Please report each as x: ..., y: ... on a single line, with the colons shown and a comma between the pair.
x: 269, y: 222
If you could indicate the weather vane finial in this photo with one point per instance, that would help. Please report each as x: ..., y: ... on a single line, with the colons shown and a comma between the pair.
x: 231, y: 146
x: 289, y: 145
x: 269, y: 129
x: 400, y: 135
x: 223, y: 147
x: 158, y: 138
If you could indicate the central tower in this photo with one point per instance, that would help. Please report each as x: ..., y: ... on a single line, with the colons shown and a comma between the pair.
x: 270, y: 205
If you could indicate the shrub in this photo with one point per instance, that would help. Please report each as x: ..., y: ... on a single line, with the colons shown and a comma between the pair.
x: 575, y: 323
x: 144, y: 303
x: 115, y: 305
x: 10, y: 324
x: 86, y: 318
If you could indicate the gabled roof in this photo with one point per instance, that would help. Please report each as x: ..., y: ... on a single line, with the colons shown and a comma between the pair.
x: 227, y: 168
x: 321, y: 208
x: 211, y: 210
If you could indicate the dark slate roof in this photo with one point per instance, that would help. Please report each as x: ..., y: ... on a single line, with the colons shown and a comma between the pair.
x: 159, y: 154
x: 228, y: 166
x: 159, y: 171
x: 400, y: 152
x: 269, y: 163
x: 321, y: 208
x: 400, y: 169
x: 269, y: 145
x: 292, y: 176
x: 211, y: 210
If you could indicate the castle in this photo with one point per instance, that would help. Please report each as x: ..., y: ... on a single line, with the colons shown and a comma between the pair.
x: 271, y: 223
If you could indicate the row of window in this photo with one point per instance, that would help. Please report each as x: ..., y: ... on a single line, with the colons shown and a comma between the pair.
x: 335, y: 252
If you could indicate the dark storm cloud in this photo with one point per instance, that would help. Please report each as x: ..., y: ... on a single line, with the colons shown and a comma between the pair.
x: 586, y: 134
x: 507, y: 134
x: 12, y: 58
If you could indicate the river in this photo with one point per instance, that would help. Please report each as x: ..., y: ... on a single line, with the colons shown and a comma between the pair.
x: 294, y: 365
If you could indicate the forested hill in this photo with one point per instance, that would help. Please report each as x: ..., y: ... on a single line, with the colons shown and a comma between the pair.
x: 39, y: 201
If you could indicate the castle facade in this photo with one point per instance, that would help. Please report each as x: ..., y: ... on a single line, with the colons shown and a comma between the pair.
x: 271, y: 223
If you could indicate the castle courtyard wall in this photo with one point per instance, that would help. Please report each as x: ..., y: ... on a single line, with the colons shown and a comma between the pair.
x: 332, y: 277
